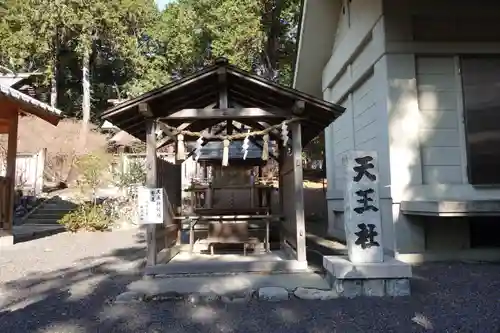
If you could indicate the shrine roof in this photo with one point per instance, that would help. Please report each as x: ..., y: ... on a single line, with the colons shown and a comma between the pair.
x: 244, y: 90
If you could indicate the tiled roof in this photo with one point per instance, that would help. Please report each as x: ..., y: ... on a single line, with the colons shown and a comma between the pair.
x: 31, y: 105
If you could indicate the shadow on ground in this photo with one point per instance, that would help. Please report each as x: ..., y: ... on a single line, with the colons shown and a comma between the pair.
x: 79, y: 298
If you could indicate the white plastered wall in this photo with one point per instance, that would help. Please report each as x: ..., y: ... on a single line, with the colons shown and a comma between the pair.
x: 414, y: 91
x: 416, y: 96
x: 351, y: 78
x: 424, y: 91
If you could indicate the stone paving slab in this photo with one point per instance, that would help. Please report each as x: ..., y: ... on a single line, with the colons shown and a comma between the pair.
x: 247, y: 287
x: 226, y: 285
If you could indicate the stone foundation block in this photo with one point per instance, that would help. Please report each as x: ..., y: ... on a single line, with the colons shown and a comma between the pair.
x: 6, y: 239
x: 388, y: 278
x: 348, y: 288
x: 374, y: 287
x: 162, y: 297
x: 341, y: 268
x: 129, y: 297
x: 273, y: 294
x: 397, y: 287
x: 315, y: 294
x: 201, y: 298
x: 240, y: 297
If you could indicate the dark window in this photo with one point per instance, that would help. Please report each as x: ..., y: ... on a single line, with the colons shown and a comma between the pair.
x: 484, y: 232
x: 457, y: 28
x: 481, y: 90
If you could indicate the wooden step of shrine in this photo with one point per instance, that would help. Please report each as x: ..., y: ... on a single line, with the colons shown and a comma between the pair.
x: 203, y: 226
x: 227, y: 267
x: 201, y: 246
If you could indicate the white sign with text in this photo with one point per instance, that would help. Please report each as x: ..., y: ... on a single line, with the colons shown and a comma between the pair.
x: 150, y: 201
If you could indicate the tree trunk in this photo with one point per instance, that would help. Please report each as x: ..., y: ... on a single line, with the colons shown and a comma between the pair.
x: 55, y: 71
x: 53, y: 89
x: 272, y: 17
x: 72, y: 175
x: 86, y: 98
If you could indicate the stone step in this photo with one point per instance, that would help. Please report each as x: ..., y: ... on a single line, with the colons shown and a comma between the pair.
x: 48, y: 214
x: 51, y: 211
x: 202, y: 247
x: 228, y: 285
x: 58, y: 206
x: 31, y: 220
x: 55, y: 210
x: 217, y: 267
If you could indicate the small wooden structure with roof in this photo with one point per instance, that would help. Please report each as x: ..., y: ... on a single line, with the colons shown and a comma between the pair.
x: 226, y: 104
x: 14, y: 104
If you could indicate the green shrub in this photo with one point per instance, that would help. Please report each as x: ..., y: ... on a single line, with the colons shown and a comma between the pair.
x: 91, y: 168
x: 135, y: 175
x: 89, y: 217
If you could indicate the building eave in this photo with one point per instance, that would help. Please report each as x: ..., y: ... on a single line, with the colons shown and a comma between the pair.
x: 315, y: 43
x: 31, y: 105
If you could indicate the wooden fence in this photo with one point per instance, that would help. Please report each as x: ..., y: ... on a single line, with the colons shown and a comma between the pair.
x: 170, y: 177
x: 189, y: 168
x: 30, y: 170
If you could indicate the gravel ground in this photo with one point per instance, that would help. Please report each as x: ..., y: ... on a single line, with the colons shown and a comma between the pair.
x: 65, y: 283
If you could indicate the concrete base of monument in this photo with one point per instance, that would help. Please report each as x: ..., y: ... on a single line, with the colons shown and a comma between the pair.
x: 6, y: 239
x: 389, y: 278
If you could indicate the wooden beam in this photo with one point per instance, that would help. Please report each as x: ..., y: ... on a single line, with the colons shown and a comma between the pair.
x: 255, y: 142
x: 269, y: 100
x: 10, y: 171
x: 134, y: 121
x: 151, y: 182
x: 4, y: 126
x: 8, y: 108
x: 188, y: 101
x: 225, y: 113
x: 274, y: 134
x: 205, y: 141
x: 169, y: 136
x: 152, y: 95
x: 223, y: 96
x: 251, y: 101
x: 167, y: 130
x: 145, y: 110
x: 281, y: 155
x: 225, y: 267
x: 299, y: 108
x: 162, y: 142
x: 165, y: 141
x: 222, y: 81
x: 283, y: 91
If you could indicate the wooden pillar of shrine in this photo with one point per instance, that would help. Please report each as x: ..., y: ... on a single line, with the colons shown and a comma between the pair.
x: 7, y: 184
x: 298, y: 193
x: 151, y: 180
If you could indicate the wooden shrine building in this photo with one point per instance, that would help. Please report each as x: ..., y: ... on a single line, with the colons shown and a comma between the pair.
x: 14, y: 104
x: 253, y: 120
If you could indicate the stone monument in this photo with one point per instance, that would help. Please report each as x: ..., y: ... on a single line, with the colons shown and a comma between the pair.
x: 366, y: 270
